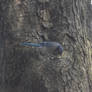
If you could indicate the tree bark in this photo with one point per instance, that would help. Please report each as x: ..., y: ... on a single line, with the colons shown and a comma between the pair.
x: 27, y: 69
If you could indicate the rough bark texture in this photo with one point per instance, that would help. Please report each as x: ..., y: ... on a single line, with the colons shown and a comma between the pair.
x: 24, y: 69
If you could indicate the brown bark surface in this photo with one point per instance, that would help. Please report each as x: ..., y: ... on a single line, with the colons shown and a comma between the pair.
x: 27, y: 69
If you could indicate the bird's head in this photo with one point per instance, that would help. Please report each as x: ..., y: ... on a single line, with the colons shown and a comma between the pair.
x: 60, y: 49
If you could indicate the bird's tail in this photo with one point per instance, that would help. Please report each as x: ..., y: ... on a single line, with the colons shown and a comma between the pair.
x: 30, y: 44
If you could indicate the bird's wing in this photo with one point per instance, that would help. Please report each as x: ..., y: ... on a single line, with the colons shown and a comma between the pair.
x: 30, y: 44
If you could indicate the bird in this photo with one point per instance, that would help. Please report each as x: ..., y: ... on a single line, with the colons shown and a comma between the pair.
x: 57, y: 46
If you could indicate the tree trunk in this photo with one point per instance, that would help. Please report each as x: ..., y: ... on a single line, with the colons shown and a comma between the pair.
x: 27, y: 69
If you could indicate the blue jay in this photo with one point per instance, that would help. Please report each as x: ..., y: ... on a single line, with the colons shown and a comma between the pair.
x: 57, y: 47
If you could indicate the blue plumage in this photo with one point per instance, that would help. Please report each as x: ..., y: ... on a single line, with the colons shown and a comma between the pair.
x: 57, y: 46
x: 30, y: 44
